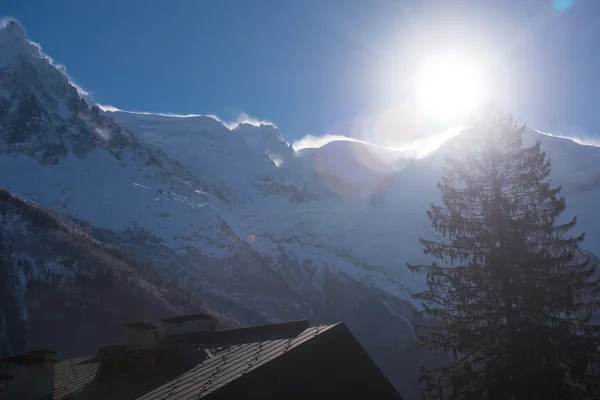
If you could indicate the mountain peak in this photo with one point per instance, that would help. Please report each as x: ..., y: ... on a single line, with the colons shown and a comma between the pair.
x: 14, y: 43
x: 15, y: 29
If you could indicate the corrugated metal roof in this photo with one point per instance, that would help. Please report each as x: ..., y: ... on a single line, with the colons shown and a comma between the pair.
x: 229, y: 365
x: 74, y: 375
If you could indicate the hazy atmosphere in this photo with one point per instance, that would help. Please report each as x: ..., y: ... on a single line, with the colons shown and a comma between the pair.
x: 391, y: 199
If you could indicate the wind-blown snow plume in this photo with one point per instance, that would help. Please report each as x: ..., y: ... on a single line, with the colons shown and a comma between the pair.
x: 314, y: 141
x: 242, y: 118
x: 109, y: 108
x: 418, y: 147
x: 576, y: 135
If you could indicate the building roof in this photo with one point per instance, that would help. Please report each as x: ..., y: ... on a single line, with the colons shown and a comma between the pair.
x: 242, y: 335
x: 84, y: 378
x: 29, y: 359
x: 43, y: 352
x: 229, y: 364
x: 74, y: 375
x: 141, y: 326
x: 267, y: 360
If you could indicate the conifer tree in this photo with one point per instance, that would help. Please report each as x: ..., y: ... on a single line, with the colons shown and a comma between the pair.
x: 512, y: 297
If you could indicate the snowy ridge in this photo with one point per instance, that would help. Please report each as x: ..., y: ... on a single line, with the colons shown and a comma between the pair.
x: 102, y: 174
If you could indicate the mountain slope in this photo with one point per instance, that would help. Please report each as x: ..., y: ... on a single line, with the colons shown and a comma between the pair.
x: 239, y: 165
x: 54, y: 274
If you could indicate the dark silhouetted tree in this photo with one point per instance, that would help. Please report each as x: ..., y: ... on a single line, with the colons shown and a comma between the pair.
x: 512, y: 297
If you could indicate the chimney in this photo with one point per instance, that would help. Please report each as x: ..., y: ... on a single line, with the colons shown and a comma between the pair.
x: 141, y: 336
x: 189, y: 324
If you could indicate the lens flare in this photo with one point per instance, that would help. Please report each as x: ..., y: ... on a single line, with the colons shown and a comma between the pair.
x: 358, y: 169
x: 563, y: 5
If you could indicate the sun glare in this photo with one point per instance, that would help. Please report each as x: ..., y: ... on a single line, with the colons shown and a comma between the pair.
x: 449, y: 87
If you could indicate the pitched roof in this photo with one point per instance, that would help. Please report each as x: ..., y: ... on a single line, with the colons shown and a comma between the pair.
x: 74, y: 375
x: 256, y: 333
x: 242, y: 335
x: 43, y: 352
x: 281, y: 359
x: 29, y: 359
x: 189, y: 317
x: 141, y: 326
x: 229, y: 364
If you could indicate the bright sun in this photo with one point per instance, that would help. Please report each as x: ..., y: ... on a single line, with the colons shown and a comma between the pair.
x: 449, y: 86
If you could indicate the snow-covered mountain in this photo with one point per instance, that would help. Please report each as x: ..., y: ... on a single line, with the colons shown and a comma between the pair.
x: 261, y: 231
x: 53, y: 273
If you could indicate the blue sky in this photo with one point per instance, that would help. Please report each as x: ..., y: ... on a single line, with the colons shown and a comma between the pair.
x: 315, y: 66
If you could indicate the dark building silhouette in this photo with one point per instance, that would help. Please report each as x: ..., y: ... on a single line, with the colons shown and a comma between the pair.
x: 187, y: 357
